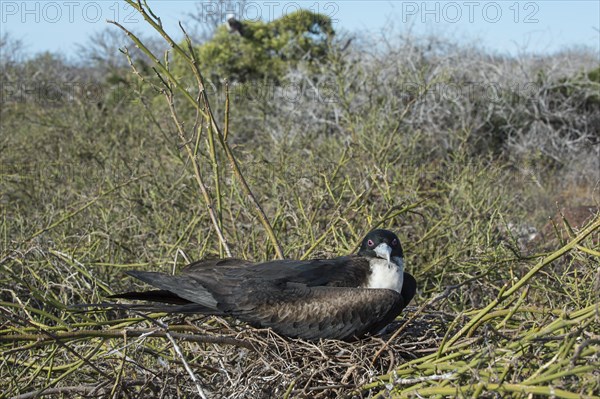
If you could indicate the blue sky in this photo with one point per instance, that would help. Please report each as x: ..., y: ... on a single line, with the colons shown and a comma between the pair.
x: 504, y: 26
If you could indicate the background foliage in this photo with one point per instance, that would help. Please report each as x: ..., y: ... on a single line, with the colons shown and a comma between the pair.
x: 266, y: 50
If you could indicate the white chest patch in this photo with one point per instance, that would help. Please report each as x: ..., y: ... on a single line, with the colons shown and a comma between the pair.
x: 386, y: 275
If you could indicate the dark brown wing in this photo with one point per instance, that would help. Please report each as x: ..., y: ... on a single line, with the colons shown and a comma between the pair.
x: 344, y: 271
x: 312, y: 313
x: 226, y: 275
x: 178, y: 289
x: 206, y: 264
x: 204, y: 267
x: 322, y: 312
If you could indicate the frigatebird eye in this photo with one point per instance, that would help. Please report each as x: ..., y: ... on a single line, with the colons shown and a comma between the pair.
x: 370, y: 243
x: 394, y: 242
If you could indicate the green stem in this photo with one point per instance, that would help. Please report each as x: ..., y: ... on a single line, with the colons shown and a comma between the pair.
x: 507, y: 292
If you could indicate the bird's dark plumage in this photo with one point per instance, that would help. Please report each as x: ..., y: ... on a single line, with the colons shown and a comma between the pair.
x: 233, y: 25
x: 342, y: 298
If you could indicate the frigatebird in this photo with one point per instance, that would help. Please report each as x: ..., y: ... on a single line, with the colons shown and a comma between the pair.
x: 233, y: 25
x: 344, y: 298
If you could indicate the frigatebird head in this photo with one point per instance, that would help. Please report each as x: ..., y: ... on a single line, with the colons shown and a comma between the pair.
x: 381, y: 244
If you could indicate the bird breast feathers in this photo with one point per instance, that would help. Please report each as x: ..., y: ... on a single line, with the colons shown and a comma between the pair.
x: 386, y: 274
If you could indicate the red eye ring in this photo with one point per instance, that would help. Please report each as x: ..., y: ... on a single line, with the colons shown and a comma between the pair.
x: 370, y: 243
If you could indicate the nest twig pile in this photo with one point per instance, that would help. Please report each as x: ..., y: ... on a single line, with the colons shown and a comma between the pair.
x: 278, y: 367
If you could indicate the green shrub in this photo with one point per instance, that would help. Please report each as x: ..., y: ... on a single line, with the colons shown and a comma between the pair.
x: 266, y: 50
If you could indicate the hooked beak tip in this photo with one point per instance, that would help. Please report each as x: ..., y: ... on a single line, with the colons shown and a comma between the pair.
x: 384, y: 251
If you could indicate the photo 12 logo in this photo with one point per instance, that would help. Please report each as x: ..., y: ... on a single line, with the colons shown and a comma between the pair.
x: 267, y: 11
x: 470, y: 11
x: 120, y: 11
x: 66, y: 11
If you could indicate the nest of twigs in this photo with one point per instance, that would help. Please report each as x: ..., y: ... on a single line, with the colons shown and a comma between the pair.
x: 263, y: 364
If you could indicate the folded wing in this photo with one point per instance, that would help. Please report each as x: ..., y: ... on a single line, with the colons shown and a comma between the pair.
x: 323, y: 312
